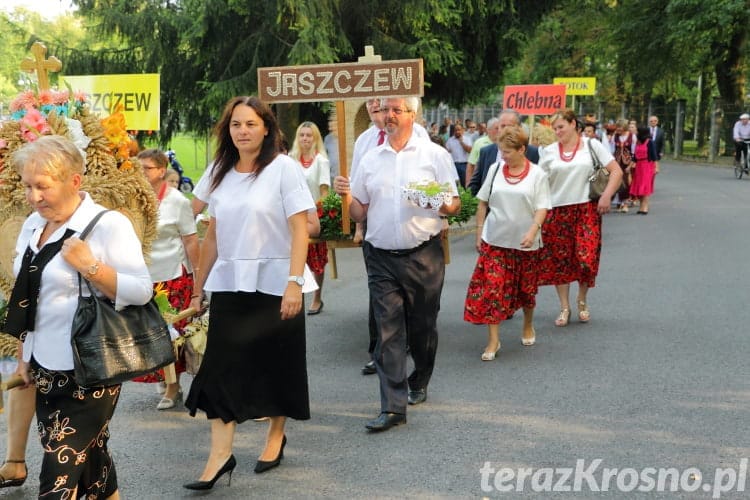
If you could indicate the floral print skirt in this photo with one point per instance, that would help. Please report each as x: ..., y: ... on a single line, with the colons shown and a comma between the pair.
x: 73, y: 424
x: 317, y: 257
x: 572, y: 237
x: 504, y: 280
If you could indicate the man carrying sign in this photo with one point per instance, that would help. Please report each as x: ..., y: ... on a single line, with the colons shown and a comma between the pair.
x: 403, y: 255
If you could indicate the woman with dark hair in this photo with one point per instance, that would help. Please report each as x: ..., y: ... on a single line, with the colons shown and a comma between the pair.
x: 572, y: 232
x: 624, y: 147
x: 252, y: 260
x: 646, y: 168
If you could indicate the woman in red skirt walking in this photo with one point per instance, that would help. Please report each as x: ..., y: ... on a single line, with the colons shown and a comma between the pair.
x: 310, y: 152
x: 512, y: 207
x: 572, y: 231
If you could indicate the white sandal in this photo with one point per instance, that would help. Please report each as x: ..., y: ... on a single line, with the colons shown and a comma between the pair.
x: 563, y: 318
x: 490, y: 356
x: 584, y: 315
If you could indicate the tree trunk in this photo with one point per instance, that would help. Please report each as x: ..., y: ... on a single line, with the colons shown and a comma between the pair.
x: 730, y: 81
x: 702, y: 112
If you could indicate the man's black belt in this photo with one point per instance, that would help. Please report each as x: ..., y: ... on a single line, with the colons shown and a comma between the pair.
x: 411, y: 250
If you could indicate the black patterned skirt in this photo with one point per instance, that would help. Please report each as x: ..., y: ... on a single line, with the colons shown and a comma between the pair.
x: 73, y: 425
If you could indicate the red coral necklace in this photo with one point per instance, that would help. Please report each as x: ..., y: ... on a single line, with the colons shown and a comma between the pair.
x: 515, y: 179
x: 306, y: 163
x: 568, y: 156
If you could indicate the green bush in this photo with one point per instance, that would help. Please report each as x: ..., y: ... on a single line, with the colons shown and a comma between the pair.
x: 469, y: 206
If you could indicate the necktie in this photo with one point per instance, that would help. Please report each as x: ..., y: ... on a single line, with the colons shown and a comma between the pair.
x: 381, y: 137
x: 653, y: 133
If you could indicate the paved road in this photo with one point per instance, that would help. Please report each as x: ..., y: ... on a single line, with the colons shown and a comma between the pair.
x: 658, y: 378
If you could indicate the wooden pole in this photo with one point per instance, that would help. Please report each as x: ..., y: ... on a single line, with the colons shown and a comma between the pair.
x: 343, y: 167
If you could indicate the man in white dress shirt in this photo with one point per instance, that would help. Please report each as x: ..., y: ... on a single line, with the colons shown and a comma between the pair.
x: 459, y: 147
x: 403, y: 255
x: 371, y: 138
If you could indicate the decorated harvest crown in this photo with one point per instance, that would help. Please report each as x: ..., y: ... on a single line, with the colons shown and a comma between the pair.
x: 111, y: 176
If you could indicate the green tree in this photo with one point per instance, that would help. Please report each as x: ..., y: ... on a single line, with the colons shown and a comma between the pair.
x: 717, y: 39
x: 207, y: 51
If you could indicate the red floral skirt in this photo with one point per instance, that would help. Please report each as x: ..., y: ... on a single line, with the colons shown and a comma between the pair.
x: 572, y: 237
x: 504, y: 280
x: 317, y: 257
x: 180, y: 289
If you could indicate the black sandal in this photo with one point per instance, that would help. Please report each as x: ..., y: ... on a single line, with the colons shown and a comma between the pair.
x: 8, y: 483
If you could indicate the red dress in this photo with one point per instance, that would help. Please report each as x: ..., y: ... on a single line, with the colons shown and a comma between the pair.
x: 645, y: 171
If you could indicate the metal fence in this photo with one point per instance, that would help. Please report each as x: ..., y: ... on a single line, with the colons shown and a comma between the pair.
x: 710, y: 129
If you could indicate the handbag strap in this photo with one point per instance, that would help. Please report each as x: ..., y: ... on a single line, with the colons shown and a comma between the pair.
x: 492, y: 181
x: 91, y: 224
x: 82, y: 237
x: 597, y: 163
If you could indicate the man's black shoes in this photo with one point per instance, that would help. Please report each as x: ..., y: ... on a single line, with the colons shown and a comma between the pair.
x: 385, y: 421
x: 417, y: 396
x: 369, y: 368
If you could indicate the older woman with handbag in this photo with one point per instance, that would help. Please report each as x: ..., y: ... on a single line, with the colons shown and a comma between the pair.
x: 572, y: 232
x: 512, y: 208
x: 73, y: 420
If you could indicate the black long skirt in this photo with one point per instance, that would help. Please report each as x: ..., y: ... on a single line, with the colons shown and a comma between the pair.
x: 73, y: 424
x: 255, y: 364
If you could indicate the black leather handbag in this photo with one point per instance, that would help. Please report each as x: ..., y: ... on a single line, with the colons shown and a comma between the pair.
x: 110, y: 346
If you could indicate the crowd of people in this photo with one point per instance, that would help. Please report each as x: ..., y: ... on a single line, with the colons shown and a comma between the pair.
x: 536, y: 225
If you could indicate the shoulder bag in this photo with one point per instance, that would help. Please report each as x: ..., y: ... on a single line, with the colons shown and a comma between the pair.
x: 599, y: 177
x: 110, y: 346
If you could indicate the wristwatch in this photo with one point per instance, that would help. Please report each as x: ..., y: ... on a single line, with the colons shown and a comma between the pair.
x: 92, y: 270
x: 300, y: 280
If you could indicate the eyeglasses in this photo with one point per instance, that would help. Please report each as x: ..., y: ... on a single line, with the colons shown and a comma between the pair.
x: 396, y: 111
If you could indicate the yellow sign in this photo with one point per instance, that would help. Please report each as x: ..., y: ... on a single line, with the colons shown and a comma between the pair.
x: 138, y: 94
x: 578, y: 86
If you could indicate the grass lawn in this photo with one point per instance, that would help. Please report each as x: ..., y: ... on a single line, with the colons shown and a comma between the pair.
x: 191, y: 153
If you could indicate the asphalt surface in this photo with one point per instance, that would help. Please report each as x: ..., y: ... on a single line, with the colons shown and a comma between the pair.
x: 658, y: 379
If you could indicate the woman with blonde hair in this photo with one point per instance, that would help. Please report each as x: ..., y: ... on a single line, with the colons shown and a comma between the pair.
x: 309, y: 151
x: 572, y: 232
x: 73, y: 421
x: 512, y: 208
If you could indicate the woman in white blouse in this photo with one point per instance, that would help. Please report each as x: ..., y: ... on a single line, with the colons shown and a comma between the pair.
x: 513, y: 202
x: 572, y: 232
x: 252, y: 260
x: 174, y: 255
x: 309, y: 151
x: 72, y: 420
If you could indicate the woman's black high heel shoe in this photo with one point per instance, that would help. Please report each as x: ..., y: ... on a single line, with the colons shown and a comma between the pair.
x: 228, y: 466
x: 261, y: 466
x: 12, y: 482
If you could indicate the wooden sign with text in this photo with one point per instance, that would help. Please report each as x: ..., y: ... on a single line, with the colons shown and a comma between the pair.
x: 341, y: 82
